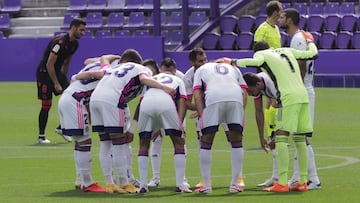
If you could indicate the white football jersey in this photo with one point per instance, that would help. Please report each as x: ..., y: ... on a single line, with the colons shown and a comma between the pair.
x: 270, y: 90
x: 82, y: 89
x: 120, y: 84
x: 298, y: 42
x: 220, y: 82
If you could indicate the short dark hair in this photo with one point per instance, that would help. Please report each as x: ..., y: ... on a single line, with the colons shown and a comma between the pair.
x: 273, y: 6
x: 77, y: 22
x: 195, y: 52
x: 131, y: 55
x: 261, y: 45
x: 151, y: 63
x: 168, y: 62
x: 293, y: 14
x: 251, y: 79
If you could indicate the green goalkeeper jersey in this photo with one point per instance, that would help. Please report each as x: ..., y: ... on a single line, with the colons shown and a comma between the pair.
x: 282, y: 67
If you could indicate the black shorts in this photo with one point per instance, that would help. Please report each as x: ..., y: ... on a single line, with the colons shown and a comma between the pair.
x: 46, y: 87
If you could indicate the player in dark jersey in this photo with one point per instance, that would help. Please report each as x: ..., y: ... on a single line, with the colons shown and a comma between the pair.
x: 51, y: 73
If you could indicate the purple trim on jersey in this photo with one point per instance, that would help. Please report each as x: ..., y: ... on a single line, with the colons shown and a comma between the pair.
x: 244, y: 86
x: 235, y: 127
x: 173, y: 132
x: 104, y: 137
x: 179, y: 151
x: 114, y: 129
x: 78, y: 96
x: 98, y: 128
x: 308, y: 135
x: 104, y: 65
x: 72, y: 132
x: 205, y: 145
x: 130, y: 90
x: 145, y: 134
x: 197, y: 87
x: 183, y: 96
x: 119, y: 140
x: 82, y: 148
x: 210, y: 129
x: 237, y: 144
x: 189, y: 96
x: 143, y: 153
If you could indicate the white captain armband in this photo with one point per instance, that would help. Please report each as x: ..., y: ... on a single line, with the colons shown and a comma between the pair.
x: 133, y: 124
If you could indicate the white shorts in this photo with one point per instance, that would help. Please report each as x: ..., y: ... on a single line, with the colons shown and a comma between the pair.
x: 162, y: 115
x: 74, y: 117
x: 107, y: 117
x: 230, y: 113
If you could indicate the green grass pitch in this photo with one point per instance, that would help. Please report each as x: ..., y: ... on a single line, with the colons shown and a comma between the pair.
x: 45, y: 173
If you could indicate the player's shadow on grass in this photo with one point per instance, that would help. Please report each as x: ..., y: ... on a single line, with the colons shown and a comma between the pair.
x: 154, y: 193
x: 248, y: 192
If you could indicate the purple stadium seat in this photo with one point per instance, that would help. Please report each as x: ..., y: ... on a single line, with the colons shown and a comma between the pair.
x: 197, y: 18
x: 175, y: 38
x: 68, y: 17
x: 94, y: 20
x: 244, y: 40
x: 356, y: 40
x: 303, y: 22
x: 88, y: 34
x: 211, y: 41
x: 102, y: 33
x: 328, y: 40
x: 170, y: 4
x: 77, y: 5
x: 11, y: 6
x: 193, y: 4
x: 301, y: 7
x: 96, y: 5
x: 228, y: 23
x: 246, y: 23
x: 134, y: 4
x: 228, y: 40
x: 175, y: 19
x: 203, y: 4
x: 148, y: 4
x: 142, y: 33
x: 115, y: 20
x: 58, y: 33
x: 348, y: 22
x: 344, y: 39
x: 316, y: 8
x: 347, y: 8
x: 285, y: 39
x: 259, y: 19
x: 162, y: 18
x: 224, y: 3
x: 263, y: 10
x: 136, y: 20
x: 286, y: 5
x: 121, y: 33
x: 315, y: 23
x: 332, y: 22
x: 115, y: 5
x: 316, y: 37
x: 4, y: 22
x: 165, y: 35
x: 331, y: 8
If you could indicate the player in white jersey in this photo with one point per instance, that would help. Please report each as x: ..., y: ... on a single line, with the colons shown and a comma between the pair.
x: 155, y: 147
x: 216, y: 106
x: 165, y: 115
x: 109, y: 100
x: 75, y: 122
x: 197, y: 58
x: 289, y: 20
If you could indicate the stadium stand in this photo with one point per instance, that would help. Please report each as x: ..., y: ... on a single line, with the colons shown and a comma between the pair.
x: 228, y: 23
x: 11, y: 6
x: 77, y: 5
x: 115, y: 21
x: 96, y: 5
x: 211, y: 41
x: 4, y: 22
